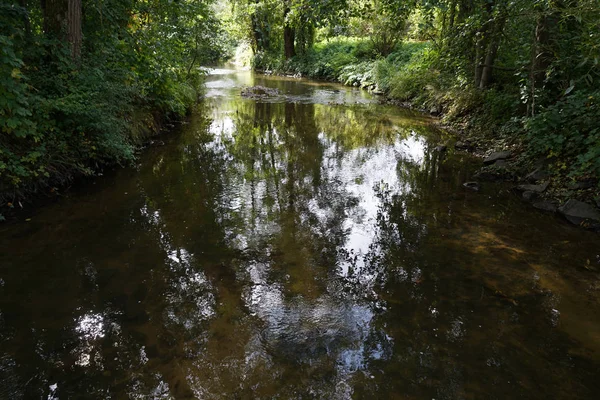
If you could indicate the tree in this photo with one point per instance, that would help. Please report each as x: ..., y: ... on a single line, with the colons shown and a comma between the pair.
x: 288, y: 32
x: 63, y: 20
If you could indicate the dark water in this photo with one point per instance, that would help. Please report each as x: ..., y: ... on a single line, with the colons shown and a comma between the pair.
x: 309, y: 246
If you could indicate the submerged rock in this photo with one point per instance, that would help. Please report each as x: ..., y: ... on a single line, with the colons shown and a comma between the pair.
x: 500, y: 170
x: 578, y: 213
x: 499, y: 155
x: 541, y: 188
x: 582, y: 185
x: 488, y: 175
x: 472, y: 186
x: 546, y: 205
x: 537, y: 175
x: 530, y: 195
x: 259, y: 92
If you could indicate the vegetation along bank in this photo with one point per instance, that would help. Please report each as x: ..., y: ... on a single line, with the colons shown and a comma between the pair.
x: 84, y: 81
x: 518, y: 81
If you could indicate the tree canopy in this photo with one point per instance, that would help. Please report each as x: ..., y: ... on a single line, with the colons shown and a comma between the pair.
x: 527, y: 70
x: 83, y: 81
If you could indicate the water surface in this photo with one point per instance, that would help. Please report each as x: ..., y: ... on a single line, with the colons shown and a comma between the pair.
x: 310, y: 245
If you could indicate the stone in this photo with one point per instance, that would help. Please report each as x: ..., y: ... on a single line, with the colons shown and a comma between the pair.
x: 472, y: 186
x: 581, y: 185
x: 578, y: 212
x: 537, y: 175
x: 499, y: 155
x: 259, y: 92
x: 434, y: 110
x: 541, y: 188
x: 486, y: 175
x: 546, y: 205
x: 497, y: 171
x: 441, y: 148
x: 529, y: 195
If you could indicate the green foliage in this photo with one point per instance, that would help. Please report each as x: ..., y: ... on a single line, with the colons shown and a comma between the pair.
x: 485, y: 64
x: 568, y: 133
x: 326, y: 60
x: 416, y: 78
x: 265, y: 61
x: 360, y: 74
x: 14, y: 105
x: 62, y: 115
x: 386, y: 26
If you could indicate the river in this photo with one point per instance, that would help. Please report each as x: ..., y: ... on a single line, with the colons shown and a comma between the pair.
x: 307, y: 245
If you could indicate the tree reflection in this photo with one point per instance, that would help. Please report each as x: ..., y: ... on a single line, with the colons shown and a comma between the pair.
x: 274, y: 250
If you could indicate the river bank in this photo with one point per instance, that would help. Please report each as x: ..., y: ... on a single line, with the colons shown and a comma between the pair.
x: 73, y: 104
x: 48, y: 188
x: 485, y: 123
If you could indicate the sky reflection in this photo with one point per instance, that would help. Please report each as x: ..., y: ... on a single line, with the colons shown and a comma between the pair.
x: 295, y: 248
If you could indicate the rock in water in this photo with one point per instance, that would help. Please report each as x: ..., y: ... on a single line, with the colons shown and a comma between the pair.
x: 530, y: 195
x: 472, y: 185
x: 546, y: 205
x: 533, y: 188
x: 259, y: 92
x: 582, y: 185
x: 500, y: 155
x: 537, y: 175
x: 578, y: 212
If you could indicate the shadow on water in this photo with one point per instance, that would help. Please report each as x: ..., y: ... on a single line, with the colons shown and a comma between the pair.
x: 310, y: 247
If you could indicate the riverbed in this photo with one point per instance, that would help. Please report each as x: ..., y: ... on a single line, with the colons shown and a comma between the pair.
x: 310, y: 244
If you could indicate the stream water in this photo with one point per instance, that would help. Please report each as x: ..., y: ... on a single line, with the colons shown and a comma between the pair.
x: 311, y: 245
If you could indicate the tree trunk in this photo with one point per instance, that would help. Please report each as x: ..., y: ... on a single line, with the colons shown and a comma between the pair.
x: 288, y: 35
x: 62, y: 20
x: 482, y: 42
x: 303, y: 38
x: 55, y: 17
x: 257, y: 43
x: 288, y: 42
x: 74, y: 35
x: 26, y: 22
x: 492, y: 51
x: 488, y: 64
x: 479, y: 49
x: 542, y: 52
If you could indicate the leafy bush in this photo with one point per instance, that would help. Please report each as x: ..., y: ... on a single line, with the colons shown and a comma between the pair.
x: 416, y: 78
x: 568, y: 132
x: 264, y: 61
x: 359, y: 74
x: 350, y: 61
x: 63, y: 115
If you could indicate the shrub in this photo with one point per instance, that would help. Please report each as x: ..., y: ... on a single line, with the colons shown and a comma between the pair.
x: 568, y: 133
